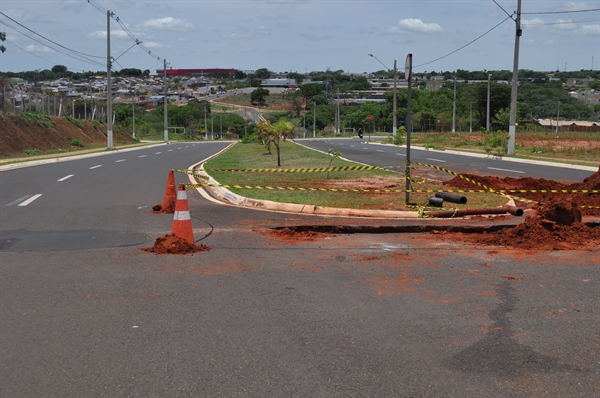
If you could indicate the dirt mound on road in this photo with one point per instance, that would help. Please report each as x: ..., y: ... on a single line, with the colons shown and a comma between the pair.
x: 173, y: 244
x: 527, y: 183
x: 556, y: 226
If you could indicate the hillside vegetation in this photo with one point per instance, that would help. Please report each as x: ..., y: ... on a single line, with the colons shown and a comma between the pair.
x: 31, y: 134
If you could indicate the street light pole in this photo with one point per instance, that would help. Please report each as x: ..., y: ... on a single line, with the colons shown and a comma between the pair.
x: 314, y: 119
x: 395, y: 118
x: 512, y: 127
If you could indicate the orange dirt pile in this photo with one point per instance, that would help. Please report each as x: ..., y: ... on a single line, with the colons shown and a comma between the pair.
x: 157, y: 208
x: 527, y: 183
x: 173, y: 244
x: 292, y: 236
x: 556, y: 226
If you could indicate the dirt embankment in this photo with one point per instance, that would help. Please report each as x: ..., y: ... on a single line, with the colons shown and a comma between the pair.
x: 27, y: 134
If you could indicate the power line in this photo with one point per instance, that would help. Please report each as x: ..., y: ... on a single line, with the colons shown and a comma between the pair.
x: 460, y: 48
x: 99, y: 7
x: 55, y: 46
x: 45, y: 38
x: 560, y: 12
x: 559, y: 23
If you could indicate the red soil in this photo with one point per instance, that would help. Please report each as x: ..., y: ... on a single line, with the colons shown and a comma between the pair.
x: 528, y: 183
x: 172, y: 244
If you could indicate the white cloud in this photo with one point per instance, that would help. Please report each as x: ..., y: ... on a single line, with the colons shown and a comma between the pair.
x: 415, y: 25
x: 262, y: 31
x: 573, y: 29
x: 168, y: 23
x: 549, y: 43
x: 114, y: 34
x: 153, y: 44
x: 33, y: 48
x: 533, y: 24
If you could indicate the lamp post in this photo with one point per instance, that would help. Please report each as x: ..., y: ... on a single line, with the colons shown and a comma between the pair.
x: 314, y: 119
x: 395, y: 124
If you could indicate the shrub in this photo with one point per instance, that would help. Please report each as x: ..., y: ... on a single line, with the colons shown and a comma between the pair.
x: 32, y: 151
x: 76, y: 142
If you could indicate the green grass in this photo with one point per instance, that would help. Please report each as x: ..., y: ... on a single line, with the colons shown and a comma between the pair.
x: 255, y: 156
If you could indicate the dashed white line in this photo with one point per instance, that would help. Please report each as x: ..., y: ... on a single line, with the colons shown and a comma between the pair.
x: 95, y: 167
x: 120, y: 160
x: 352, y: 146
x: 510, y: 171
x: 142, y: 156
x: 66, y: 177
x: 379, y: 150
x: 19, y: 200
x: 401, y: 154
x: 436, y: 160
x: 366, y: 148
x: 28, y: 201
x: 158, y: 153
x: 170, y: 150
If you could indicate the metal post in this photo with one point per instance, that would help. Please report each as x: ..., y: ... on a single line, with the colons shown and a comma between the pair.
x: 470, y: 118
x: 487, y: 120
x: 165, y: 102
x: 109, y: 132
x: 408, y: 125
x: 557, y: 117
x: 133, y: 120
x: 512, y: 128
x: 395, y: 119
x: 205, y: 127
x: 454, y: 108
x: 314, y: 120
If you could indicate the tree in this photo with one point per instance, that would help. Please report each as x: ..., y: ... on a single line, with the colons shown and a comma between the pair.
x: 2, y: 38
x: 258, y: 96
x: 273, y: 134
x: 262, y: 73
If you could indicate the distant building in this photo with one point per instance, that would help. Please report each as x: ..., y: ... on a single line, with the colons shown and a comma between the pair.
x: 193, y: 72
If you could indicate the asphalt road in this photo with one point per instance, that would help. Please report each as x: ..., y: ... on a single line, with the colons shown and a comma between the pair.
x: 379, y: 315
x: 387, y: 155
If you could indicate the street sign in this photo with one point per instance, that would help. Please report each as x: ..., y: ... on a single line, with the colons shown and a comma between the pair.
x: 408, y: 67
x: 369, y: 118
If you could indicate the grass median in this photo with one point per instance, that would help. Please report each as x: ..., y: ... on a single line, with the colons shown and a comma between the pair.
x: 353, y: 189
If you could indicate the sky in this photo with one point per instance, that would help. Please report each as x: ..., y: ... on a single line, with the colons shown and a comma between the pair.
x: 300, y: 35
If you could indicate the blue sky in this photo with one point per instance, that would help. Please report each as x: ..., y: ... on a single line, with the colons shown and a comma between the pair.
x: 300, y: 35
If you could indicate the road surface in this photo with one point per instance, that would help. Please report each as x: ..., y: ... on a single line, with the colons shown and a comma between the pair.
x: 83, y: 312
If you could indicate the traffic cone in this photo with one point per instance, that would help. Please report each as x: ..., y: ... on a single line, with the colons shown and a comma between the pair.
x: 182, y: 222
x: 170, y: 193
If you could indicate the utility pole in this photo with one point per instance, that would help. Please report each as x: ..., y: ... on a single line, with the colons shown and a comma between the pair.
x: 454, y: 108
x: 165, y: 122
x: 395, y: 119
x: 205, y: 126
x: 470, y: 118
x: 557, y: 117
x: 133, y: 120
x: 487, y: 120
x: 512, y: 128
x: 109, y: 132
x: 314, y: 119
x: 408, y: 78
x: 338, y: 112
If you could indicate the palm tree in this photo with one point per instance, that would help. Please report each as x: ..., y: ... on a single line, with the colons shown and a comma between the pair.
x: 272, y: 134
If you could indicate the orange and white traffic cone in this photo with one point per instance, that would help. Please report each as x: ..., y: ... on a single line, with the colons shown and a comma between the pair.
x: 182, y: 222
x: 170, y: 193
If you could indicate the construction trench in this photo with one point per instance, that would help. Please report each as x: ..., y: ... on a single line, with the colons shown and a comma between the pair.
x: 552, y: 220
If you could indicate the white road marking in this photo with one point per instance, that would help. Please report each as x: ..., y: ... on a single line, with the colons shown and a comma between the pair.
x: 436, y: 160
x: 400, y: 154
x: 379, y: 150
x: 366, y: 148
x: 19, y: 200
x: 121, y: 160
x: 179, y: 148
x: 28, y: 201
x: 66, y: 177
x: 95, y: 167
x: 158, y: 153
x: 510, y: 171
x: 352, y: 146
x: 170, y: 150
x: 142, y: 156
